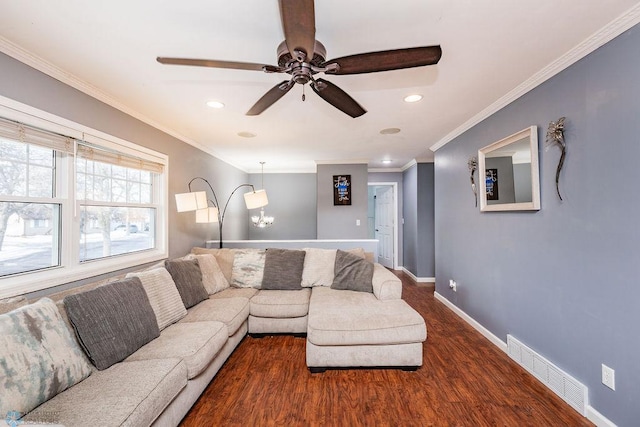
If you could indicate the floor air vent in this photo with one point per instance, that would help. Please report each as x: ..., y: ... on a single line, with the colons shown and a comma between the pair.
x: 564, y: 385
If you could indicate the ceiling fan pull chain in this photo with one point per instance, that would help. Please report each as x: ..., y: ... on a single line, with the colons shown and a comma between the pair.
x: 303, y: 97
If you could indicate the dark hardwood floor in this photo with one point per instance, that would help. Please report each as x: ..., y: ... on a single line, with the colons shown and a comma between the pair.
x: 464, y: 381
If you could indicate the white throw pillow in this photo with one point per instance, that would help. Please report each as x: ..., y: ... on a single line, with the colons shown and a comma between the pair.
x: 248, y: 268
x: 212, y: 277
x: 318, y: 267
x: 163, y: 295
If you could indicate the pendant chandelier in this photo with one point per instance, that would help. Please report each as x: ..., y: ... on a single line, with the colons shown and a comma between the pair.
x: 262, y: 221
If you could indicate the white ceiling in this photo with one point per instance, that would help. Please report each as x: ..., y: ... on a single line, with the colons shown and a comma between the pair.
x: 489, y: 48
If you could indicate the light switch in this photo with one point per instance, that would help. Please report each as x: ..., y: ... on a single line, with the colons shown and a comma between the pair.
x: 358, y: 222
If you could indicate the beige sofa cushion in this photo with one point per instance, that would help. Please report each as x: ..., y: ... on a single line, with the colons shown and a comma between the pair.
x: 224, y: 256
x: 195, y: 343
x: 126, y: 394
x: 280, y: 303
x: 231, y: 311
x: 386, y: 285
x: 212, y: 277
x: 8, y: 304
x: 339, y: 317
x: 163, y: 295
x: 318, y: 267
x: 235, y: 293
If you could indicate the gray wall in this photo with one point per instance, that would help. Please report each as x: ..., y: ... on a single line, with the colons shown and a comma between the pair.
x: 29, y: 86
x: 563, y: 280
x: 396, y: 177
x: 418, y: 206
x: 292, y: 203
x: 339, y: 222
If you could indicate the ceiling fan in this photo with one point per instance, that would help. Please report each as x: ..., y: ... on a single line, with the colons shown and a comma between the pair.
x: 302, y: 56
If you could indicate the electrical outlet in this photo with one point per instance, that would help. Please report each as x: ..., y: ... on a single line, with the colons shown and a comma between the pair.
x: 453, y: 285
x: 608, y: 377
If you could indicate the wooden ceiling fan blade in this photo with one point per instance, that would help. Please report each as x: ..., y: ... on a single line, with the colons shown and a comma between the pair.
x: 219, y: 64
x: 299, y: 25
x: 269, y: 98
x: 337, y: 97
x: 386, y: 60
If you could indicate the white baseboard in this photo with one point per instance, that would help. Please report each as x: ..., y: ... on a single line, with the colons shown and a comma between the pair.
x: 592, y: 414
x: 597, y: 418
x: 470, y: 320
x: 418, y: 279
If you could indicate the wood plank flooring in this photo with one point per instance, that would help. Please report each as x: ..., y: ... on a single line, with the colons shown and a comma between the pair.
x: 464, y: 381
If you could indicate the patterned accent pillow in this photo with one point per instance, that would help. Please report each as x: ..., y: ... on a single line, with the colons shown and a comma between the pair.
x: 112, y: 321
x: 188, y: 279
x: 318, y: 267
x: 212, y: 277
x: 353, y: 273
x: 163, y: 295
x: 248, y: 268
x: 283, y: 269
x: 38, y: 357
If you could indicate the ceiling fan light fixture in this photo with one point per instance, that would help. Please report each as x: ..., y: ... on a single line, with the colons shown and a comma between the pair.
x: 412, y: 98
x: 389, y: 131
x: 215, y: 104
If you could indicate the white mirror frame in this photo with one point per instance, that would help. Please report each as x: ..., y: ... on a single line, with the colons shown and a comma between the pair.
x: 534, y: 205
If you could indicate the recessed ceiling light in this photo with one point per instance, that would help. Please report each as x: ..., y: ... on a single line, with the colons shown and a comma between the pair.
x: 413, y: 98
x: 386, y: 161
x: 389, y: 131
x: 245, y: 134
x: 215, y: 104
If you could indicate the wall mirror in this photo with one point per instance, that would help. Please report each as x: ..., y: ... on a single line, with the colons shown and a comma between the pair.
x: 511, y: 175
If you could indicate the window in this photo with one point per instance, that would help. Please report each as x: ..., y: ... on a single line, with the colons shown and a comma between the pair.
x: 76, y: 205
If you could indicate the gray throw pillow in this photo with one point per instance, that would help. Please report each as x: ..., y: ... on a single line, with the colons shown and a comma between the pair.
x: 283, y: 269
x: 112, y: 321
x: 352, y: 273
x: 188, y: 279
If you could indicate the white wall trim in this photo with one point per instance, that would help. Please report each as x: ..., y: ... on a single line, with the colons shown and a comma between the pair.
x: 416, y: 278
x: 471, y: 321
x: 592, y: 414
x: 44, y: 66
x: 607, y: 33
x: 597, y: 418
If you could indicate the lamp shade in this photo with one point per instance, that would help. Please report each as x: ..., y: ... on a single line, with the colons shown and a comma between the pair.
x: 256, y: 199
x: 192, y: 201
x: 207, y: 215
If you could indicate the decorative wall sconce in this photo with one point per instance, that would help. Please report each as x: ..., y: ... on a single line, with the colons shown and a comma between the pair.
x: 198, y: 201
x: 473, y: 165
x: 555, y: 135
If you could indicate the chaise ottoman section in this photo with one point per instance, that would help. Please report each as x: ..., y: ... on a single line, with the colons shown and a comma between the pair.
x: 279, y: 311
x: 196, y: 343
x: 233, y: 312
x: 126, y: 394
x: 349, y: 328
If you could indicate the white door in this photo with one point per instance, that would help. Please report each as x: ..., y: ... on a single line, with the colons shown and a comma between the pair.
x: 384, y: 224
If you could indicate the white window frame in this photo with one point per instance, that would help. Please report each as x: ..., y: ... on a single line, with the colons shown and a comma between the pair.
x: 71, y: 269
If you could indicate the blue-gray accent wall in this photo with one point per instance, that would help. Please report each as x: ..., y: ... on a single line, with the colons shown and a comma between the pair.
x: 419, y: 234
x: 563, y: 280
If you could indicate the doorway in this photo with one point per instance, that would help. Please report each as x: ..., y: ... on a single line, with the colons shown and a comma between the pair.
x: 382, y: 221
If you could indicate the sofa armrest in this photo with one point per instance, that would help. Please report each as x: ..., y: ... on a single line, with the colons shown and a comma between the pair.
x: 386, y: 285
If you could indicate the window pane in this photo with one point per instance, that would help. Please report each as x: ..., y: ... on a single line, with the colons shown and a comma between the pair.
x: 40, y: 181
x: 12, y: 150
x: 31, y: 237
x: 108, y: 231
x: 40, y: 156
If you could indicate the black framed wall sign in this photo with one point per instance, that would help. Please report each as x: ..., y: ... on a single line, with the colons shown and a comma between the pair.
x: 341, y: 190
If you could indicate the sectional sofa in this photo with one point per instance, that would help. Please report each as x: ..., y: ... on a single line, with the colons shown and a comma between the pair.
x: 139, y: 350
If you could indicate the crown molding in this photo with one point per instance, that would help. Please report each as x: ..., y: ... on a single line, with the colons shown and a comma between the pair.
x: 411, y: 163
x: 20, y: 54
x: 604, y: 35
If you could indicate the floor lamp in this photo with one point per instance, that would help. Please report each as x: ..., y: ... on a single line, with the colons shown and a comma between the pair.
x: 199, y: 202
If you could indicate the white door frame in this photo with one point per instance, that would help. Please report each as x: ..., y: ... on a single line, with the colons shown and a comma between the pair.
x: 395, y: 217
